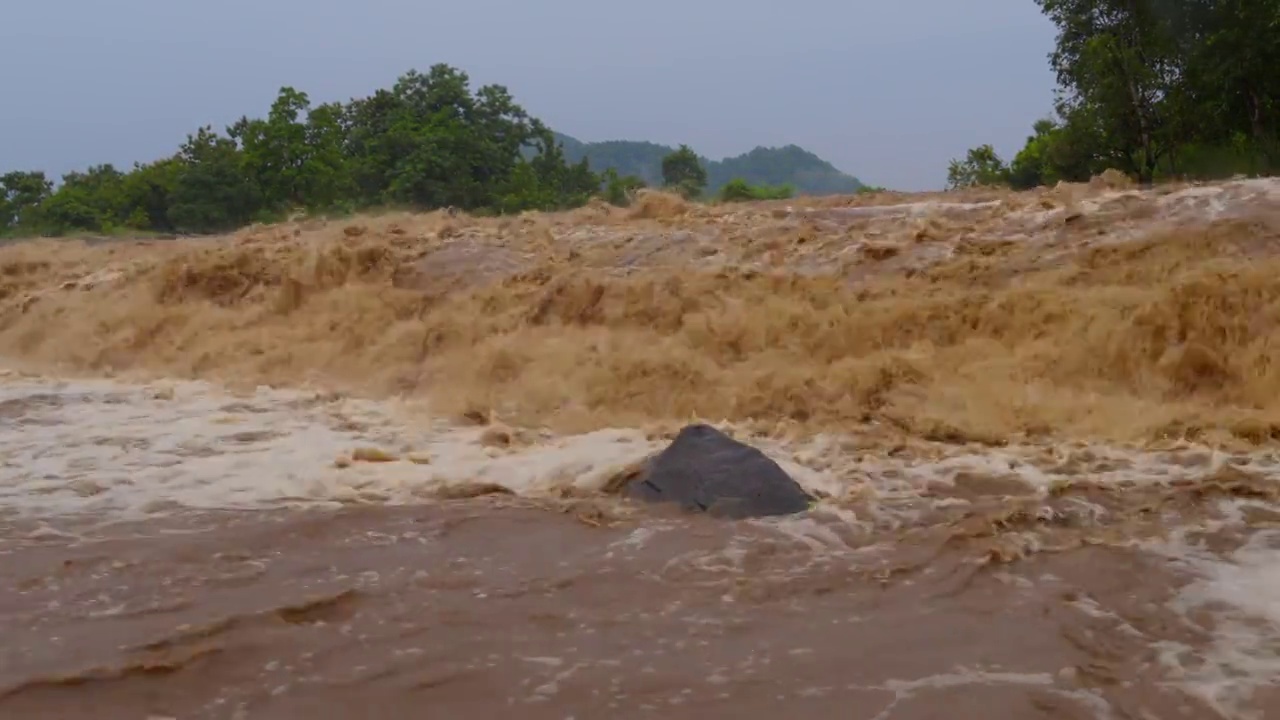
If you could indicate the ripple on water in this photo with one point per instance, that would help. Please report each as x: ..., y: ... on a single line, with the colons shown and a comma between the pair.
x: 922, y: 581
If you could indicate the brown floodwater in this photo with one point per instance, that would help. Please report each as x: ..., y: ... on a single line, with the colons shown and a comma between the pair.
x: 497, y: 607
x: 174, y: 551
x: 1041, y: 427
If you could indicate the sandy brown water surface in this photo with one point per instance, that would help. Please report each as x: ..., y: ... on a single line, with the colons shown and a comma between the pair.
x: 364, y: 468
x: 475, y: 610
x: 160, y: 560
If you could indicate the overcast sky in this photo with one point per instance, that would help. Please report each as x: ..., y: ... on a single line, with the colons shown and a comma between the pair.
x: 887, y: 91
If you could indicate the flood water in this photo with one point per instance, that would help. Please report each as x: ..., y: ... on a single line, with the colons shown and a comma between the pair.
x: 173, y: 551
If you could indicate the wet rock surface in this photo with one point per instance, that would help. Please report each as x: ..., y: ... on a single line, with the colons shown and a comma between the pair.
x: 705, y: 470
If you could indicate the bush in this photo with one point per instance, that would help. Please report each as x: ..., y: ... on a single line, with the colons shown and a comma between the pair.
x: 739, y: 190
x: 620, y: 190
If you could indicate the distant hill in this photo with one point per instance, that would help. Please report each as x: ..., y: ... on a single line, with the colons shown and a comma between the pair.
x: 808, y: 173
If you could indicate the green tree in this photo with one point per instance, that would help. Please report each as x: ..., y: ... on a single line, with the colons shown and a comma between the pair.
x: 427, y: 142
x: 21, y: 193
x: 739, y: 190
x: 431, y: 142
x: 1056, y: 152
x: 327, y: 181
x: 565, y: 185
x: 91, y: 200
x: 682, y: 170
x: 1118, y: 66
x: 211, y: 192
x: 620, y: 190
x: 981, y: 166
x: 774, y: 166
x: 148, y: 191
x: 369, y: 147
x: 1229, y: 51
x: 69, y: 209
x: 1159, y: 88
x: 546, y: 181
x: 1031, y: 167
x: 274, y: 151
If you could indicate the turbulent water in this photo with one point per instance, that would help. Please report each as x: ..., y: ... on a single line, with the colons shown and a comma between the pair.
x: 330, y: 469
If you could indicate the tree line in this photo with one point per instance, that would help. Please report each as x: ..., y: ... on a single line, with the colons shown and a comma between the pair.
x: 428, y: 142
x: 771, y: 167
x: 1154, y: 88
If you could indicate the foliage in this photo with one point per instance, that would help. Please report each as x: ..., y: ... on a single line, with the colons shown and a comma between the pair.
x: 739, y: 190
x: 627, y: 158
x: 429, y: 141
x: 21, y: 194
x: 682, y: 171
x: 789, y: 165
x: 211, y: 192
x: 620, y: 190
x: 1156, y: 89
x: 548, y: 182
x: 982, y: 166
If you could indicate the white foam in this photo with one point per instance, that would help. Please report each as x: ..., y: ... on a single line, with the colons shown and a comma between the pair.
x: 922, y: 208
x: 106, y: 446
x: 1240, y: 592
x: 109, y: 446
x: 960, y: 677
x: 1197, y: 204
x: 102, y: 446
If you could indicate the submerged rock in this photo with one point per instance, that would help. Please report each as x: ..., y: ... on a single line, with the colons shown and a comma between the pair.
x: 704, y: 469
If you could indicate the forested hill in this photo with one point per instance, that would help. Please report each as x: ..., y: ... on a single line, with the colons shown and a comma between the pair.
x: 789, y: 165
x: 431, y: 140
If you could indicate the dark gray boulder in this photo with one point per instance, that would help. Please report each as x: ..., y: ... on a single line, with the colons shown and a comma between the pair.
x: 705, y: 470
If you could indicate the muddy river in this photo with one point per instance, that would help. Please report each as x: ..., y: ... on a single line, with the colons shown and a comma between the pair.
x: 179, y: 551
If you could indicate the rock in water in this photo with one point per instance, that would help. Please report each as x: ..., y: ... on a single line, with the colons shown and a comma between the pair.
x: 704, y: 469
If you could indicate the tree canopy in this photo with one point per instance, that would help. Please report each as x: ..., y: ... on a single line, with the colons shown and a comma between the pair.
x: 429, y: 141
x: 772, y: 166
x: 682, y: 170
x: 1153, y: 88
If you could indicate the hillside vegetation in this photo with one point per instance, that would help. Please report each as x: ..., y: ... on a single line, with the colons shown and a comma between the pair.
x: 430, y: 141
x: 789, y: 165
x: 1190, y: 92
x: 1156, y: 91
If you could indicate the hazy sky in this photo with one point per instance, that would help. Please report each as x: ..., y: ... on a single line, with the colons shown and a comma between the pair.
x: 887, y: 91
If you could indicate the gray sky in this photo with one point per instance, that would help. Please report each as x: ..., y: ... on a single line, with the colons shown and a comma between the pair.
x: 887, y: 91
